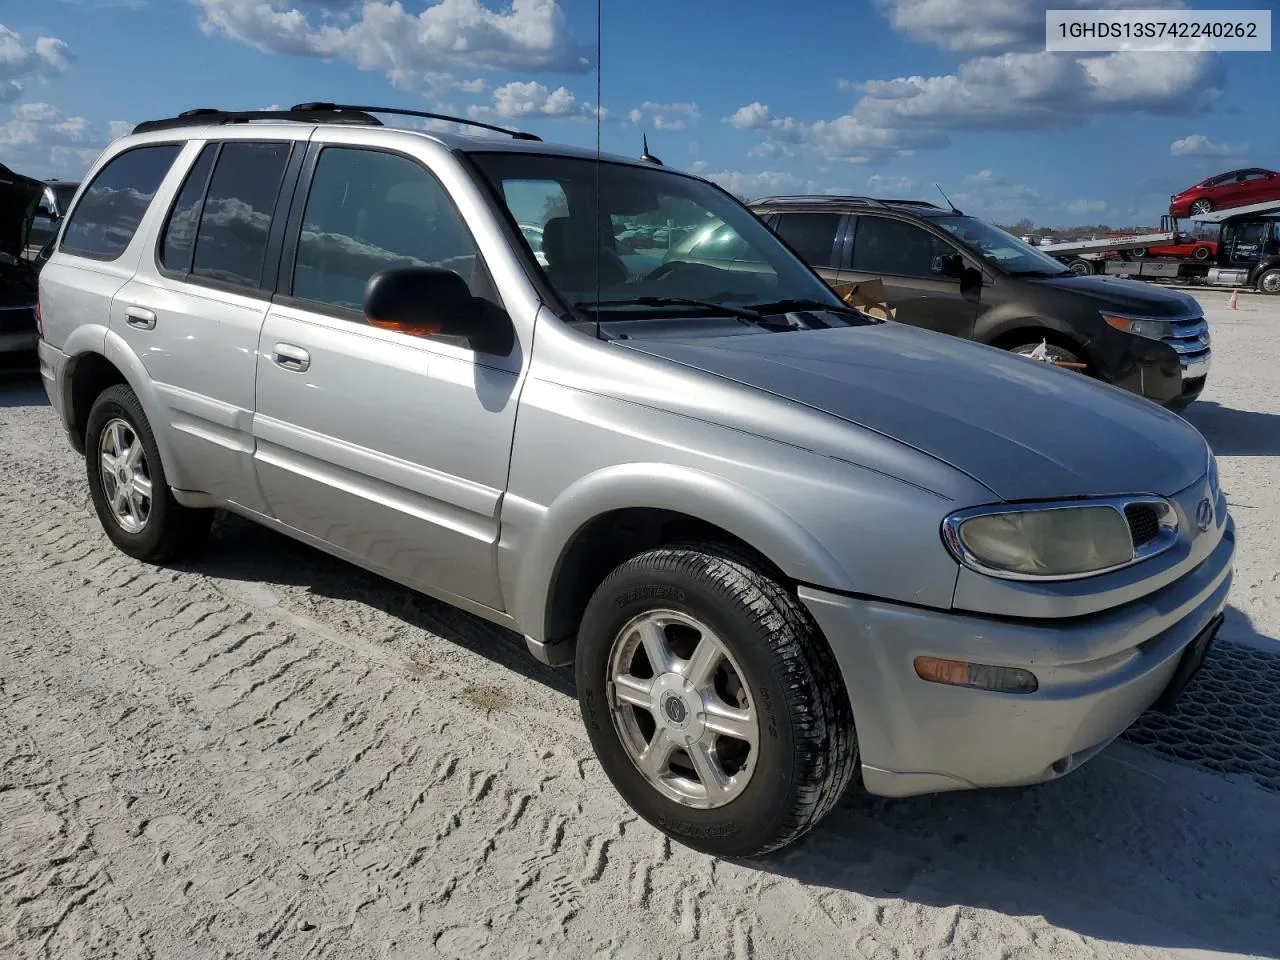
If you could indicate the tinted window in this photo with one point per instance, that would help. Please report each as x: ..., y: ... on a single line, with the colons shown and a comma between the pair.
x: 232, y: 238
x: 108, y: 214
x: 896, y: 248
x: 180, y: 230
x: 369, y: 211
x: 813, y: 235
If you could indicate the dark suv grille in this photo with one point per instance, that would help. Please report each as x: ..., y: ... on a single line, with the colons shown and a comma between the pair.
x: 1144, y: 523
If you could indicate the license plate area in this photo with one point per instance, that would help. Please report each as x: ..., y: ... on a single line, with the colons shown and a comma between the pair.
x: 1189, y: 665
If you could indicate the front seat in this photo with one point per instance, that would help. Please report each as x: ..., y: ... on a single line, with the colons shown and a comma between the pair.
x: 575, y: 252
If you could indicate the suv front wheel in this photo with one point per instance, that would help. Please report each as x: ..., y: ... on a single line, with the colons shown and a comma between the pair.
x: 712, y: 700
x: 127, y: 484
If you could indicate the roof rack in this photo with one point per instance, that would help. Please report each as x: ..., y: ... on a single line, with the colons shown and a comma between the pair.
x: 312, y: 113
x: 826, y: 198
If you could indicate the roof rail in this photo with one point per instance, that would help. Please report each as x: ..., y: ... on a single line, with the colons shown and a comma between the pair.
x: 213, y: 117
x: 398, y: 111
x: 311, y: 113
x: 828, y: 198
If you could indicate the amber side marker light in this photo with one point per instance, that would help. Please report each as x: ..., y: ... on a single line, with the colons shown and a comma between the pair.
x: 412, y: 329
x: 979, y: 676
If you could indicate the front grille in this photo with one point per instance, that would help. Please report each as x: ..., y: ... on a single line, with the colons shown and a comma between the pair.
x: 1189, y: 340
x: 1144, y: 523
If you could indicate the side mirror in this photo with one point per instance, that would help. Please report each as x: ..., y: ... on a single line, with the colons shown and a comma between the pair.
x: 433, y: 301
x: 949, y: 265
x: 970, y: 279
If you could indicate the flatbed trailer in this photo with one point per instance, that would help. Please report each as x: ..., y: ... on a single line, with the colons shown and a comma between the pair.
x: 1260, y: 269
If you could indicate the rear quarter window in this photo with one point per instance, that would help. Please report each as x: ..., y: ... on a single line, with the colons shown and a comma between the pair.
x: 108, y: 214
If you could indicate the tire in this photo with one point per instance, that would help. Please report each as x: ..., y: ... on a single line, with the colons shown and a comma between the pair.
x: 1269, y: 282
x: 1202, y: 206
x: 1055, y: 352
x: 1138, y: 253
x: 774, y: 665
x: 1201, y: 253
x: 1081, y: 267
x: 165, y: 530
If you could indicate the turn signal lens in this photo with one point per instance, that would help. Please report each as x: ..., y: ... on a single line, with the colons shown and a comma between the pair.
x: 979, y: 676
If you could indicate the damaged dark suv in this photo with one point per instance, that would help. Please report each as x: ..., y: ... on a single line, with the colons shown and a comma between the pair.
x: 20, y: 199
x: 956, y: 274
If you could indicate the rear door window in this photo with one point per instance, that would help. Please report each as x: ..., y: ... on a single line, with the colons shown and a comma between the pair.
x: 231, y: 240
x: 180, y: 229
x: 107, y: 216
x: 812, y: 235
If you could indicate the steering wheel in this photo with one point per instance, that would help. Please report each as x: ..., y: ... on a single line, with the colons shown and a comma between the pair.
x: 673, y: 268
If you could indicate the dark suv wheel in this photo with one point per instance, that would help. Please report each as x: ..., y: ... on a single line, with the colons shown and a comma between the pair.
x: 712, y: 700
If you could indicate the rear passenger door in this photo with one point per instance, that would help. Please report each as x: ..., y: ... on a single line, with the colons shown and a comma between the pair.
x: 193, y: 311
x: 816, y: 237
x: 390, y: 447
x: 905, y: 257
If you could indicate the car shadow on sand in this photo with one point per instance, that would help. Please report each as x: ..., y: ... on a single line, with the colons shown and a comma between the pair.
x: 1236, y: 433
x: 1133, y: 848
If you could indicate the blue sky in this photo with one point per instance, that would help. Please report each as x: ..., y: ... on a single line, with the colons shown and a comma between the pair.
x: 882, y: 97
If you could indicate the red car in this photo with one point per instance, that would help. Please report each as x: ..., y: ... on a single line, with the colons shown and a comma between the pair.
x: 1195, y: 249
x: 1238, y: 188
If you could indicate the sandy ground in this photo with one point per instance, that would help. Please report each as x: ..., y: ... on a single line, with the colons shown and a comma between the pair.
x: 271, y: 753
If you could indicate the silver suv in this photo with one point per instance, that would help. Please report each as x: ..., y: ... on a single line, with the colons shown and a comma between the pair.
x: 785, y: 546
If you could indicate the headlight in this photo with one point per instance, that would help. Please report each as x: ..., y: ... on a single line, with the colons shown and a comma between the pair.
x: 1060, y: 541
x: 1148, y: 327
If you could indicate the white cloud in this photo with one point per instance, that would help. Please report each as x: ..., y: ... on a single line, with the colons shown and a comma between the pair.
x: 991, y: 26
x: 417, y: 51
x: 883, y: 185
x: 533, y: 99
x: 1087, y: 206
x: 1198, y: 145
x: 39, y: 141
x: 750, y: 186
x: 995, y: 197
x: 21, y: 63
x: 1012, y: 91
x: 666, y: 116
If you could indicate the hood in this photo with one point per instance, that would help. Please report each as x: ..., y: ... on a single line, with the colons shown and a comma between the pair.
x: 19, y: 198
x: 1023, y: 429
x: 1127, y: 296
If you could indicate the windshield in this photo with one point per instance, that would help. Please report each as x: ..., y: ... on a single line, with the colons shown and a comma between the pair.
x: 1000, y: 249
x: 659, y: 235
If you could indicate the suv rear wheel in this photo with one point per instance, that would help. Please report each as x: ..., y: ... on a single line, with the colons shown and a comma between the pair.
x: 712, y: 700
x: 127, y: 484
x: 1048, y: 352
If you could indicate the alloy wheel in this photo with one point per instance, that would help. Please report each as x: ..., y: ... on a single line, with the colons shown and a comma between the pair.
x: 682, y: 709
x: 126, y: 481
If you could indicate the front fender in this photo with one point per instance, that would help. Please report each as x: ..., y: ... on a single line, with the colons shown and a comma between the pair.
x: 547, y: 532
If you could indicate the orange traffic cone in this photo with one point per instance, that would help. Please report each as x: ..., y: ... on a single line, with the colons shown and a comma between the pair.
x: 1231, y: 304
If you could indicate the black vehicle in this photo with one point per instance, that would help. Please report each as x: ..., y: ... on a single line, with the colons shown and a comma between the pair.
x: 53, y: 206
x: 1247, y: 258
x: 20, y: 199
x: 959, y: 275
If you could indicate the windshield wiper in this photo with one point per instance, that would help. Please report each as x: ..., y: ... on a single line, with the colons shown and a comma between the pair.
x: 742, y: 313
x: 802, y: 303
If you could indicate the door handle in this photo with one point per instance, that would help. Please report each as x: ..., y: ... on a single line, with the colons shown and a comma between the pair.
x: 289, y: 357
x: 140, y: 317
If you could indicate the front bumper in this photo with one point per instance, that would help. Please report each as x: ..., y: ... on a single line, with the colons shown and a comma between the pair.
x: 1172, y: 371
x: 1097, y: 674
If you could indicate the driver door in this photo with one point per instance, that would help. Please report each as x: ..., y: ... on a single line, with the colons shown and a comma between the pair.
x: 905, y: 257
x: 390, y: 447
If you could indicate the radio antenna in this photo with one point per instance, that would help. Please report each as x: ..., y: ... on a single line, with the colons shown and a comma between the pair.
x: 599, y: 224
x: 949, y: 203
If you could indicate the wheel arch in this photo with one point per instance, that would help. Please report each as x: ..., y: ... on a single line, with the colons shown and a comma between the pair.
x: 1017, y: 330
x: 617, y: 513
x: 90, y: 371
